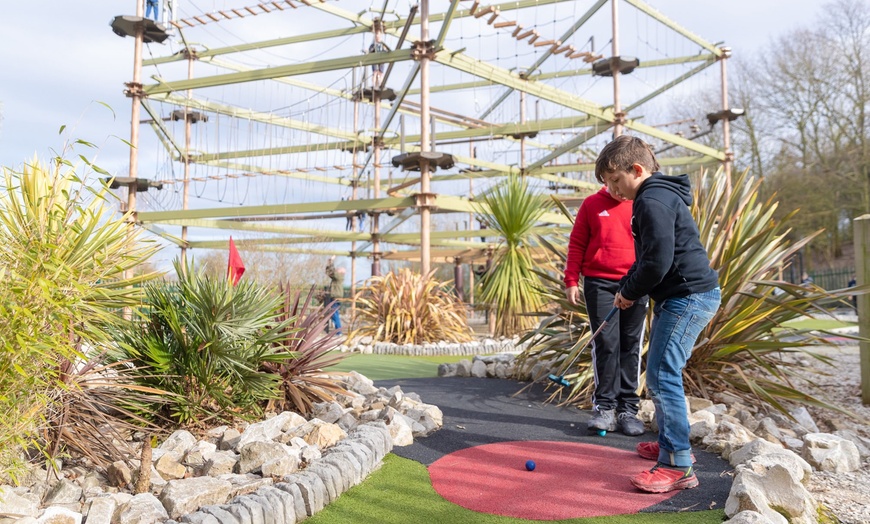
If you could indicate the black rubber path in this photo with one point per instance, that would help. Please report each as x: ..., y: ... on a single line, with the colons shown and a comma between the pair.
x: 484, y: 411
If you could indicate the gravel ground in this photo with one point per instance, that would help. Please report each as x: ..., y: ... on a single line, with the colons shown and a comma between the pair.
x: 846, y: 495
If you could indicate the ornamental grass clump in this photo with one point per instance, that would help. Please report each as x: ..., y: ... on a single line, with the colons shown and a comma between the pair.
x: 409, y: 308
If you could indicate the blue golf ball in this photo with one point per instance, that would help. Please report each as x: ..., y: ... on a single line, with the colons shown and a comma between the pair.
x: 530, y: 465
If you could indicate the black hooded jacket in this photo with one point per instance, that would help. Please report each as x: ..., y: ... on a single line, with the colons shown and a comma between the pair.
x: 670, y: 260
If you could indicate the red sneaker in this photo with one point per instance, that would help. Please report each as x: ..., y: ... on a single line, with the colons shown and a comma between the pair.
x: 650, y: 451
x: 662, y: 479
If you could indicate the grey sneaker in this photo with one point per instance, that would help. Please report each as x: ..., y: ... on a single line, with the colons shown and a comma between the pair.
x: 629, y: 424
x: 603, y: 420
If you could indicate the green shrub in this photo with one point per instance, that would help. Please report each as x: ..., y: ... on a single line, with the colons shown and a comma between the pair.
x: 205, y: 342
x: 62, y: 286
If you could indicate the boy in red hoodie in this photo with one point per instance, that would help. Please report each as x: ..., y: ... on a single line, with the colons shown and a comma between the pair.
x: 601, y: 249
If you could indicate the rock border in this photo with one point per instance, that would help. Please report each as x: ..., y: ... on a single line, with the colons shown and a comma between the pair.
x: 366, y: 346
x: 280, y: 470
x: 301, y: 495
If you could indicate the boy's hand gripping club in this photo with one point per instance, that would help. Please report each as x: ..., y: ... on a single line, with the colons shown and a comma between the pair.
x: 560, y: 379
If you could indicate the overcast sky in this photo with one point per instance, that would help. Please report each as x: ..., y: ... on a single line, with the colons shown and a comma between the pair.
x: 60, y: 59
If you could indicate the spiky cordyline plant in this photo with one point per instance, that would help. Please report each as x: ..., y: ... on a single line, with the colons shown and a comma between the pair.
x: 205, y: 341
x: 743, y: 348
x: 512, y: 210
x: 302, y: 381
x: 95, y: 410
x: 62, y: 283
x: 409, y: 308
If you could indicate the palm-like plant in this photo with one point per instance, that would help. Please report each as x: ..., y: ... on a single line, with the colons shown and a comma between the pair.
x: 302, y: 381
x: 743, y: 348
x: 511, y: 285
x: 205, y: 341
x: 409, y: 308
x: 62, y: 285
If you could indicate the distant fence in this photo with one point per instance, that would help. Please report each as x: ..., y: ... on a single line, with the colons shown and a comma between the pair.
x: 832, y: 278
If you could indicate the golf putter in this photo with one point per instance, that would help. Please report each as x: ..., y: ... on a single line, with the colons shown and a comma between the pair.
x: 560, y: 379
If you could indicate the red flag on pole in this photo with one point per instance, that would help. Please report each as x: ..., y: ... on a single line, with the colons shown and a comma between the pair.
x: 235, y: 266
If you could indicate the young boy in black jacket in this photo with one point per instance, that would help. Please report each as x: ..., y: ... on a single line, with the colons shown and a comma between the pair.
x: 672, y: 267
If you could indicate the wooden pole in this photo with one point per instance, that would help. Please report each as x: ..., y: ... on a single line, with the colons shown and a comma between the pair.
x: 136, y: 97
x: 614, y: 68
x: 491, y: 308
x: 726, y: 124
x: 135, y: 92
x: 458, y: 283
x: 425, y: 146
x: 358, y: 91
x: 862, y: 277
x: 523, y: 137
x: 185, y: 194
x: 376, y: 149
x: 473, y: 154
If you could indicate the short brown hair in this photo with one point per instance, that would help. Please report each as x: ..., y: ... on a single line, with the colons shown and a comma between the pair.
x: 622, y: 153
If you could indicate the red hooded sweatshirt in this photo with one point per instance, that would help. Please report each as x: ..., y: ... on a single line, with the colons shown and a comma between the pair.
x: 601, y: 245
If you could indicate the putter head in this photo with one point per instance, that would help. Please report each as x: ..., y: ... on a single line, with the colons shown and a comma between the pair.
x: 559, y: 380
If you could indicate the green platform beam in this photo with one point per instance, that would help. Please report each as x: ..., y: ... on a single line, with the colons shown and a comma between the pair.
x: 269, y: 73
x: 532, y: 126
x: 256, y: 116
x: 372, y: 204
x: 652, y: 12
x: 482, y: 69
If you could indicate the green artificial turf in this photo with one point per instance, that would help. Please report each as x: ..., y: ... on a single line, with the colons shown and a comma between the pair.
x: 818, y: 323
x: 400, y: 492
x: 383, y: 367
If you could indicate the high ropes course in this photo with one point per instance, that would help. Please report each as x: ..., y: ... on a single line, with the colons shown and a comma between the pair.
x: 366, y: 129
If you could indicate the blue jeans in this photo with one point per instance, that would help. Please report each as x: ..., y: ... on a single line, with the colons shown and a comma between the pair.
x: 336, y: 317
x: 152, y: 9
x: 677, y: 323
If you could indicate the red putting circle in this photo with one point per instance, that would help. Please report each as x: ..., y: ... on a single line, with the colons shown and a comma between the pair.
x: 570, y: 480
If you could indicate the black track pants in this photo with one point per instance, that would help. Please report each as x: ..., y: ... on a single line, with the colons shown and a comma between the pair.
x: 616, y: 350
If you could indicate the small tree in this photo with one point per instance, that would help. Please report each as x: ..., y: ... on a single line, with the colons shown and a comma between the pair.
x: 511, y: 285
